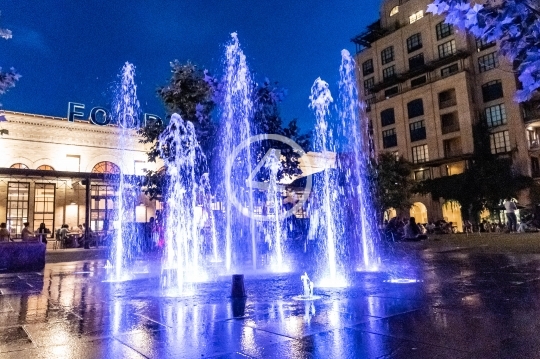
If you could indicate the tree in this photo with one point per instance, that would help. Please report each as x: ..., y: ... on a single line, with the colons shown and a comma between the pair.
x: 7, y: 78
x: 515, y: 23
x: 393, y: 183
x: 483, y: 185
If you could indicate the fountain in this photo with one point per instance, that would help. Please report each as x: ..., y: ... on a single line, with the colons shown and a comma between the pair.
x: 186, y: 180
x: 354, y: 131
x: 273, y: 228
x: 237, y: 111
x: 326, y: 192
x: 126, y: 113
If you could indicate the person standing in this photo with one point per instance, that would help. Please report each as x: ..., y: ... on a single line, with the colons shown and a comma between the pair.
x: 511, y: 209
x: 5, y: 236
x: 42, y: 233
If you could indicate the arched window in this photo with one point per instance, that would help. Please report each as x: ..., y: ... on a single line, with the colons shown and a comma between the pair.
x: 45, y: 168
x: 19, y: 165
x: 394, y: 10
x: 106, y: 167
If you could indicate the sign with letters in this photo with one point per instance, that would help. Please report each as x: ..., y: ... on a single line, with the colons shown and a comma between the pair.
x: 100, y: 116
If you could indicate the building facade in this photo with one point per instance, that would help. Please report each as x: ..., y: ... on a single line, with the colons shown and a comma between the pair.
x: 46, y: 164
x: 427, y: 85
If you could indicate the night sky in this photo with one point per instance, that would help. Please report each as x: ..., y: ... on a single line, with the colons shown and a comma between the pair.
x: 73, y: 50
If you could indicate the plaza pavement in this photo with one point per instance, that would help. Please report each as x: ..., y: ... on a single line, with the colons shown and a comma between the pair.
x: 476, y: 296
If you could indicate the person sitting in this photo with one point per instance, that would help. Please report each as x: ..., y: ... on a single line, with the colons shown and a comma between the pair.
x: 5, y: 236
x: 26, y: 233
x: 412, y: 232
x: 42, y: 233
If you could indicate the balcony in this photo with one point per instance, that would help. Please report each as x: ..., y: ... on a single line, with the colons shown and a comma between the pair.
x: 531, y: 111
x: 447, y: 103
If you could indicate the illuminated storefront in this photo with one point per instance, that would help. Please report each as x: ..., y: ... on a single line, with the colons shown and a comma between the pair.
x: 47, y: 163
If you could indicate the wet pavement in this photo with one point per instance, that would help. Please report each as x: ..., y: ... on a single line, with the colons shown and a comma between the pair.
x: 466, y: 304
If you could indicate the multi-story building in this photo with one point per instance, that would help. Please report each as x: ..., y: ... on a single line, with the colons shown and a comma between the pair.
x: 427, y: 84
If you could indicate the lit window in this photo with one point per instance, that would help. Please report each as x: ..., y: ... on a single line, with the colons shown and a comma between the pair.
x: 495, y: 115
x: 19, y: 165
x: 394, y: 10
x: 106, y: 167
x: 416, y: 16
x: 45, y: 168
x: 500, y: 142
x: 420, y: 154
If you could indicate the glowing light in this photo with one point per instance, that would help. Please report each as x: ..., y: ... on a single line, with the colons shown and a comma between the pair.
x: 403, y: 280
x: 333, y: 282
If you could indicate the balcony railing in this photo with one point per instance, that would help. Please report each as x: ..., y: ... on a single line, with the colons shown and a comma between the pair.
x: 454, y: 127
x: 447, y: 103
x: 453, y: 152
x: 531, y: 111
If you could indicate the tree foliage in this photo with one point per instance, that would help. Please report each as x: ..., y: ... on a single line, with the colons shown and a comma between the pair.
x: 393, y: 182
x: 514, y: 23
x: 9, y: 78
x: 194, y: 94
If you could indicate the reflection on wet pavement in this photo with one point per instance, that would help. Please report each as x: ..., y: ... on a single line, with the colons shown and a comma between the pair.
x: 466, y: 305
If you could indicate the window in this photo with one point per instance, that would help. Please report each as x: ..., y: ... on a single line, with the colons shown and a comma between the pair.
x: 449, y: 123
x: 495, y: 115
x: 421, y: 175
x: 500, y: 142
x: 414, y: 42
x: 17, y: 206
x: 416, y: 16
x: 488, y: 62
x: 447, y: 49
x: 415, y: 108
x: 391, y: 92
x: 45, y: 168
x: 367, y: 67
x: 389, y: 73
x: 416, y: 62
x: 418, y: 81
x: 443, y: 30
x: 452, y: 147
x: 420, y: 154
x: 44, y: 194
x: 482, y: 44
x: 387, y: 117
x: 447, y: 98
x: 492, y: 90
x: 417, y: 131
x: 73, y: 163
x: 103, y: 207
x: 394, y: 10
x: 19, y: 165
x: 106, y: 167
x: 449, y: 70
x: 368, y: 85
x: 389, y: 138
x: 387, y: 55
x: 140, y: 167
x: 369, y: 101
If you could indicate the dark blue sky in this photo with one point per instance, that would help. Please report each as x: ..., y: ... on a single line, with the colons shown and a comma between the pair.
x: 73, y: 50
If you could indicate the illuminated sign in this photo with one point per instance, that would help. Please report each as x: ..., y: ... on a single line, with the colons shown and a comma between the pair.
x: 100, y: 116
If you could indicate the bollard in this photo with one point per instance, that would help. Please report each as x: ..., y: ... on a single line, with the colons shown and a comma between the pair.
x: 238, y: 290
